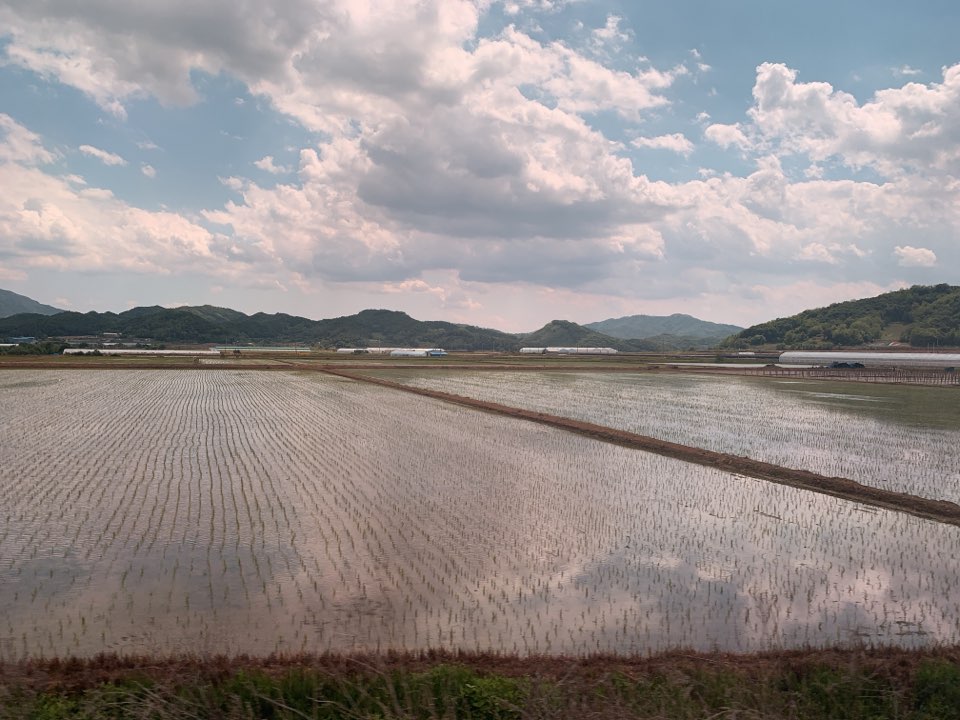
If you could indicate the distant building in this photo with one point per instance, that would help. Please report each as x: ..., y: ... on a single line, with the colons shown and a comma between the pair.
x: 567, y: 351
x: 929, y: 361
x: 418, y: 352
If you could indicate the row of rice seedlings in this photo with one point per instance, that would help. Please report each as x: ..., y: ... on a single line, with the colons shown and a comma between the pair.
x: 866, y: 439
x: 255, y: 512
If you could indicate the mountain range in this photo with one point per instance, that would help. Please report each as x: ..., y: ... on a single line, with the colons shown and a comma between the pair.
x: 206, y: 323
x: 922, y: 316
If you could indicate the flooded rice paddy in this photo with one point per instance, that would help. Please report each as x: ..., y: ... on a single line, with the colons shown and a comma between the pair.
x: 900, y: 438
x: 250, y: 512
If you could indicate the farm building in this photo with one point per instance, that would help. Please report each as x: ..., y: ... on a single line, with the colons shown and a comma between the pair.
x: 418, y: 352
x: 261, y: 349
x: 928, y: 361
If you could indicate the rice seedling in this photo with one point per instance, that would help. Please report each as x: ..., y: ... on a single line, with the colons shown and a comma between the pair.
x: 905, y: 439
x: 231, y: 511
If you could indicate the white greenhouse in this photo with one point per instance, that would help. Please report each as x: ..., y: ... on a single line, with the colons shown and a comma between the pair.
x: 567, y: 351
x: 581, y: 350
x: 912, y: 360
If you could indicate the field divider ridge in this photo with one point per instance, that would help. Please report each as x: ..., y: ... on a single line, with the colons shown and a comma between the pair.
x: 942, y: 511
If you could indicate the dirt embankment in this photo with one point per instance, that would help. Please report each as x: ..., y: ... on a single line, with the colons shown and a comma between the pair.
x: 938, y: 510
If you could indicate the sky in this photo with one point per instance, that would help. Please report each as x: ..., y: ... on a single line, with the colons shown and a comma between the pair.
x: 501, y: 163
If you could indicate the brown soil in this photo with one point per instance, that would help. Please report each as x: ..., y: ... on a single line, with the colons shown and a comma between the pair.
x: 938, y: 510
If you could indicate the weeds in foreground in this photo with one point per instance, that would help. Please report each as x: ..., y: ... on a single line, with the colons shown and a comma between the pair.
x: 929, y: 691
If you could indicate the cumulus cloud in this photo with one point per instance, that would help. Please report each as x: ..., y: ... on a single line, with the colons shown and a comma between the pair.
x: 107, y: 158
x: 267, y: 165
x: 675, y: 142
x: 451, y: 162
x: 725, y: 135
x: 611, y: 33
x: 148, y: 170
x: 49, y: 222
x: 915, y: 257
x: 914, y: 128
x: 46, y: 223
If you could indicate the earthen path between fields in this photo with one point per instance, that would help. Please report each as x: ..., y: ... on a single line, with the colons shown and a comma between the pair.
x: 938, y: 510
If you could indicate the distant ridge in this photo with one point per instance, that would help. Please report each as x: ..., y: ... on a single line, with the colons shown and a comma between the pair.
x: 13, y: 304
x: 650, y: 326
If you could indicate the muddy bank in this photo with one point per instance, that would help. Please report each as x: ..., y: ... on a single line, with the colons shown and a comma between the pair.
x: 937, y: 510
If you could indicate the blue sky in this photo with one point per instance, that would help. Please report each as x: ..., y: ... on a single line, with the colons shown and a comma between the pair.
x: 497, y: 163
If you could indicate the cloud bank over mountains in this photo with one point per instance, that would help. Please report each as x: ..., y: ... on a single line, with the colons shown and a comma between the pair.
x: 463, y: 158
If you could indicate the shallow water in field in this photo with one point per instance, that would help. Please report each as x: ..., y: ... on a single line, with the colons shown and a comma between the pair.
x: 902, y: 438
x: 243, y: 511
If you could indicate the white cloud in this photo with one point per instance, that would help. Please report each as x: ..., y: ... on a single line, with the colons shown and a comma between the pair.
x: 726, y: 135
x: 675, y: 142
x: 266, y: 164
x: 611, y: 33
x: 148, y: 170
x: 906, y: 70
x: 46, y: 223
x: 454, y: 165
x: 915, y: 128
x: 60, y: 223
x: 915, y: 257
x: 234, y: 183
x: 18, y: 144
x: 107, y: 158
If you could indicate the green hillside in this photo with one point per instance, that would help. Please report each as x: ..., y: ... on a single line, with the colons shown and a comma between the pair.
x: 921, y: 316
x: 13, y: 304
x: 664, y: 327
x: 208, y: 324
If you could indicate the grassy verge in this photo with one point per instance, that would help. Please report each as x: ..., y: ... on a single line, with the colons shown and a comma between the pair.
x: 825, y: 684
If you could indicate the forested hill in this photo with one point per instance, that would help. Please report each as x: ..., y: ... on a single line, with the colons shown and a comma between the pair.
x: 563, y: 333
x: 208, y: 324
x: 13, y: 304
x: 922, y: 316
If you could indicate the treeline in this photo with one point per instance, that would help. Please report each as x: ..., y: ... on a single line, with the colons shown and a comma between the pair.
x: 38, y: 348
x: 922, y: 316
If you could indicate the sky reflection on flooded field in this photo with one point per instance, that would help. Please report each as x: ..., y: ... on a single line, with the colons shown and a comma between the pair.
x: 242, y: 511
x: 901, y: 438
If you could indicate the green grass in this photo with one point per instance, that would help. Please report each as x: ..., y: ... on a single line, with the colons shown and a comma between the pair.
x: 838, y: 687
